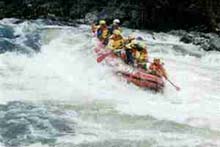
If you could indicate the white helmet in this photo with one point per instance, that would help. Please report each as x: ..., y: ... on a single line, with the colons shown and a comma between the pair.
x: 116, y: 21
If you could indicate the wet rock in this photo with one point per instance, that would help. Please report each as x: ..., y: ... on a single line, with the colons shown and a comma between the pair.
x: 214, y: 44
x: 91, y: 17
x: 207, y: 41
x: 141, y: 14
x: 178, y: 32
x: 187, y: 38
x: 57, y: 21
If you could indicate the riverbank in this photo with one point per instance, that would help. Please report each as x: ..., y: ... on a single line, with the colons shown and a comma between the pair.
x: 157, y: 15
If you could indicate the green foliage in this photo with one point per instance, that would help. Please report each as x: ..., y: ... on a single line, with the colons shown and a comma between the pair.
x: 151, y: 14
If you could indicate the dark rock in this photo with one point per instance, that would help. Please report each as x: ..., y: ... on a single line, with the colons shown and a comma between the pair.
x: 214, y: 44
x: 178, y: 32
x: 57, y: 21
x: 196, y: 15
x: 207, y: 41
x: 91, y: 17
x: 187, y: 38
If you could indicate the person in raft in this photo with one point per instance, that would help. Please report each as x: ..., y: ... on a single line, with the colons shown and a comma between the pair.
x: 136, y: 52
x: 101, y: 31
x: 156, y: 68
x: 116, y: 41
x: 115, y: 26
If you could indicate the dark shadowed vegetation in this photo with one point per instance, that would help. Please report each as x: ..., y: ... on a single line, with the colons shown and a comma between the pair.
x: 202, y: 15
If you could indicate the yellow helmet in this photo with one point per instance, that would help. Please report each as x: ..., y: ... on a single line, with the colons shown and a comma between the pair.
x: 142, y: 44
x: 117, y: 32
x: 157, y: 60
x: 101, y: 22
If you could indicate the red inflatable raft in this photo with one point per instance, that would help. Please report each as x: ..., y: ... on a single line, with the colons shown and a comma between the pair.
x: 136, y: 76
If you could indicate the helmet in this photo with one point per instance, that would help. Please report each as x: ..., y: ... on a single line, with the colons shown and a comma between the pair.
x: 141, y: 45
x: 117, y: 32
x: 157, y: 60
x: 139, y: 38
x: 101, y: 22
x: 116, y: 21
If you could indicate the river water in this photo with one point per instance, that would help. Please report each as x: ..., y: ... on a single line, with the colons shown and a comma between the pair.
x: 54, y: 93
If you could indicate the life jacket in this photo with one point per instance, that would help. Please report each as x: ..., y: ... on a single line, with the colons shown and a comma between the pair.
x: 102, y: 32
x: 131, y: 47
x: 141, y: 56
x: 139, y: 53
x: 158, y: 70
x: 116, y: 42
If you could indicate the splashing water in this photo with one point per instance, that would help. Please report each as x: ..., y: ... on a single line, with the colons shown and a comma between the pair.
x: 105, y: 110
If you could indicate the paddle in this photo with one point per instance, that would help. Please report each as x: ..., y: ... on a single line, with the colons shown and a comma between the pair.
x: 103, y: 56
x: 176, y: 87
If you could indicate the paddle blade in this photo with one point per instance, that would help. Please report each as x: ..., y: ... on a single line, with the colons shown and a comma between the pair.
x: 102, y: 57
x: 178, y: 89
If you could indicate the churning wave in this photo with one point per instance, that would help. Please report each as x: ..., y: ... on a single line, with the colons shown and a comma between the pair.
x: 53, y: 93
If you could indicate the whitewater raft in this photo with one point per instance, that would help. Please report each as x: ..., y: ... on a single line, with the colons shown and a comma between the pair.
x: 137, y: 76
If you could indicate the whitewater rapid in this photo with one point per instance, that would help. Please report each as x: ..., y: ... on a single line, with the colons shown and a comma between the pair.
x: 65, y: 75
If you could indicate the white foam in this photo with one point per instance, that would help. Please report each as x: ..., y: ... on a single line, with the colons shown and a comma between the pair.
x: 66, y: 70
